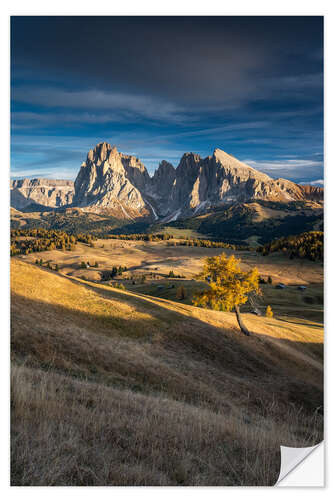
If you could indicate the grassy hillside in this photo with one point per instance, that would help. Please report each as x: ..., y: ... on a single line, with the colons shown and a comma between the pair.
x: 255, y: 222
x: 159, y: 258
x: 70, y: 220
x: 112, y: 387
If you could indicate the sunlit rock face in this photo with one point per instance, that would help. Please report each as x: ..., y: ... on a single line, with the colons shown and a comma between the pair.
x: 199, y: 184
x: 111, y: 181
x: 119, y: 184
x: 41, y: 192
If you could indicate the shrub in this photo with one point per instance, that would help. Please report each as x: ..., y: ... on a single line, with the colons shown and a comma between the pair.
x: 106, y: 275
x: 120, y: 286
x: 83, y: 265
x: 269, y: 280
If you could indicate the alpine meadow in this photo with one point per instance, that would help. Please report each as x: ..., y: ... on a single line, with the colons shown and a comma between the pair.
x: 166, y: 248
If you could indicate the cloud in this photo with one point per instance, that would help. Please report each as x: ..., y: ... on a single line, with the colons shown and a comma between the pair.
x: 121, y: 104
x: 26, y: 119
x: 44, y: 174
x: 295, y: 83
x: 318, y: 182
x: 204, y: 59
x: 160, y: 86
x: 297, y: 169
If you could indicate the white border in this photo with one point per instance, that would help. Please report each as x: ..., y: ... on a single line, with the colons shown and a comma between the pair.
x: 144, y: 7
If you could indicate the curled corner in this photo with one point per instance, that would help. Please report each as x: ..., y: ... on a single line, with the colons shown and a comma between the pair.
x: 291, y: 458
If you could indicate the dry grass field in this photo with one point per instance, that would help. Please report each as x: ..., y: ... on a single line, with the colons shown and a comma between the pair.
x: 117, y: 387
x: 160, y: 257
x: 155, y: 260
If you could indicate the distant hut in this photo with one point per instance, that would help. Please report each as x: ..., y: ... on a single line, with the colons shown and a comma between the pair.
x: 281, y: 286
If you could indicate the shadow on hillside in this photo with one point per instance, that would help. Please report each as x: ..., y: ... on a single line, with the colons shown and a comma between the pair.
x: 159, y: 302
x: 255, y: 381
x: 292, y: 371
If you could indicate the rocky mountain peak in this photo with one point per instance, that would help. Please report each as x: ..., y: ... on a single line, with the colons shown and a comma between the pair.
x: 196, y: 185
x: 120, y: 184
x: 101, y: 153
x: 166, y: 166
x: 162, y: 182
x: 238, y: 168
x: 189, y: 159
x: 164, y: 170
x: 112, y: 181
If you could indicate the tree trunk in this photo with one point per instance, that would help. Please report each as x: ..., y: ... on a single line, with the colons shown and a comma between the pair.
x: 240, y: 322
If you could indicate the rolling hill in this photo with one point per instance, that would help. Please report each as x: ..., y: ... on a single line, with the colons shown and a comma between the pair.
x: 255, y: 222
x: 111, y: 387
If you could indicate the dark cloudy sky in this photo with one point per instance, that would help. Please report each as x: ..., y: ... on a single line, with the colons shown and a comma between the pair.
x: 160, y: 86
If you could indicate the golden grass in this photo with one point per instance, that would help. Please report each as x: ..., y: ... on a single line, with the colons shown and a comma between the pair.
x: 111, y: 387
x: 141, y: 256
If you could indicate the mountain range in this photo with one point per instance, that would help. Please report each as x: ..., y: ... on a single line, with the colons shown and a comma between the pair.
x: 40, y: 193
x: 119, y: 185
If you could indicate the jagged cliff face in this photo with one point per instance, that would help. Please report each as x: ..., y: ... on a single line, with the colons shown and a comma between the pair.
x: 200, y: 184
x: 113, y: 182
x: 162, y: 182
x: 314, y: 193
x: 120, y: 185
x: 41, y: 192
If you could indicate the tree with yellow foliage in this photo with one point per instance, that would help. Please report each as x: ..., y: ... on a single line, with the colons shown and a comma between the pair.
x: 269, y: 312
x: 229, y: 286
